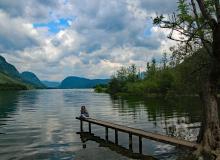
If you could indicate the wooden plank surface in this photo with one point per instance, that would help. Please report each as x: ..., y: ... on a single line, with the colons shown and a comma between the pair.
x: 145, y: 134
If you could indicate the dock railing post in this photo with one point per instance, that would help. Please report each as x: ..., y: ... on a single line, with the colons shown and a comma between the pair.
x: 140, y: 144
x: 116, y: 136
x: 130, y: 141
x: 81, y: 126
x: 136, y: 132
x: 106, y: 133
x: 90, y: 130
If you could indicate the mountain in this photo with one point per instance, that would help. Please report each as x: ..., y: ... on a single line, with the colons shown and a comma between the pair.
x: 8, y: 69
x: 79, y: 82
x: 10, y: 83
x: 51, y: 84
x: 10, y: 77
x: 31, y: 78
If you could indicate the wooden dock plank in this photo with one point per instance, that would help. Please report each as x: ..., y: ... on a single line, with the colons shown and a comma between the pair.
x: 145, y: 134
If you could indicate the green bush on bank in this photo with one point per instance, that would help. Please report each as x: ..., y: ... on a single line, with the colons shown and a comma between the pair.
x: 160, y: 79
x: 157, y: 80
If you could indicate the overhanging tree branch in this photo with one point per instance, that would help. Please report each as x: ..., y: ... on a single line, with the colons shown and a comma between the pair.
x: 217, y: 7
x: 204, y: 42
x: 206, y: 14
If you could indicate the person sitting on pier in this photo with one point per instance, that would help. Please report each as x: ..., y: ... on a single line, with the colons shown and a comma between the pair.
x: 84, y: 112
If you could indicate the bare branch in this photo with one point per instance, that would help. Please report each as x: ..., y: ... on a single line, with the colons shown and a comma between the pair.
x: 195, y: 11
x: 217, y: 7
x: 204, y: 42
x: 203, y: 10
x: 175, y: 39
x: 193, y: 31
x: 205, y: 13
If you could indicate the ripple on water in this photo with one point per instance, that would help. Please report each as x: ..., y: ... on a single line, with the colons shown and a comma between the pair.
x: 40, y: 124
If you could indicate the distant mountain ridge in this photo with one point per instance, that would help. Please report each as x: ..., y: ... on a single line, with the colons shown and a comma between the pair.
x: 31, y: 78
x: 10, y: 78
x: 51, y: 84
x: 8, y: 68
x: 79, y: 82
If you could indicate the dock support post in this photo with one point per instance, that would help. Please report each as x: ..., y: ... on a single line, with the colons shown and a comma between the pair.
x: 90, y: 130
x: 81, y: 126
x: 106, y: 133
x: 116, y: 136
x: 130, y: 141
x: 140, y: 144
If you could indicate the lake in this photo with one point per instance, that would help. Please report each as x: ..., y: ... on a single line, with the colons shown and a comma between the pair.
x: 41, y: 124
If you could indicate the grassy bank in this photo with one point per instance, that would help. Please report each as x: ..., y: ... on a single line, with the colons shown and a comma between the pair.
x: 9, y: 83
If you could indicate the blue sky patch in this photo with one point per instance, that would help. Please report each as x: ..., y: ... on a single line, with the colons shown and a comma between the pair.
x: 149, y: 25
x: 55, y: 26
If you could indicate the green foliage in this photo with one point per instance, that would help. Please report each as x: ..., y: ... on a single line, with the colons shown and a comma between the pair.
x: 189, y: 27
x: 9, y: 83
x: 161, y: 79
x: 165, y: 81
x: 158, y: 20
x: 151, y: 69
x: 157, y: 80
x: 100, y: 88
x: 132, y: 73
x: 184, y: 9
x: 115, y: 85
x: 189, y: 61
x: 8, y: 86
x: 164, y: 60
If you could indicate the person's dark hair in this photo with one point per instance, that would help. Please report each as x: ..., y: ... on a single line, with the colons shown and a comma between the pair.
x: 83, y: 109
x: 84, y: 112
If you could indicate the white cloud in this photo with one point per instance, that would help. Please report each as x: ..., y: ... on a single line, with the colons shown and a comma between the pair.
x: 16, y: 34
x: 102, y: 36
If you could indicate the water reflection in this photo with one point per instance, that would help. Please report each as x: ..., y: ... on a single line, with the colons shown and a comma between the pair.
x: 40, y: 124
x: 8, y: 100
x: 86, y: 136
x: 179, y: 117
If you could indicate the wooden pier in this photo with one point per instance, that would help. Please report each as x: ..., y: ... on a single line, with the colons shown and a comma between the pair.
x: 136, y: 132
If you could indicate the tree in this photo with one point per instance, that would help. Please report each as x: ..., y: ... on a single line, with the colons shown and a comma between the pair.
x: 114, y: 85
x: 197, y: 26
x: 164, y: 60
x: 165, y: 81
x: 122, y: 74
x: 132, y: 73
x: 151, y: 69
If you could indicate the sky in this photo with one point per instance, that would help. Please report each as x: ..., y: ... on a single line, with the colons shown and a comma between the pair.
x: 87, y: 38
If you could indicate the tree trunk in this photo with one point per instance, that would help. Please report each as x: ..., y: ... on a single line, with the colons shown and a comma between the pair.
x: 209, y: 136
x: 211, y: 132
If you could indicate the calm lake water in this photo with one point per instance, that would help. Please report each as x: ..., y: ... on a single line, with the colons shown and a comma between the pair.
x: 40, y: 124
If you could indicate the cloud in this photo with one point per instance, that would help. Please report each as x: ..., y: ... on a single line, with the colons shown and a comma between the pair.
x: 162, y: 7
x: 81, y: 37
x: 31, y: 10
x: 16, y: 34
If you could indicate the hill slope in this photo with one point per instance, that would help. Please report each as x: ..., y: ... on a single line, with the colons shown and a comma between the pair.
x: 8, y: 69
x: 78, y: 82
x: 10, y: 78
x: 8, y: 83
x: 31, y: 78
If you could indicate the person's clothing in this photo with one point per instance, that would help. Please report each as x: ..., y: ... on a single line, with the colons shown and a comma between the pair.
x: 84, y: 115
